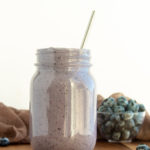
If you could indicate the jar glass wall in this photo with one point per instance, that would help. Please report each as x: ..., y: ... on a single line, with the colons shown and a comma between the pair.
x: 63, y: 102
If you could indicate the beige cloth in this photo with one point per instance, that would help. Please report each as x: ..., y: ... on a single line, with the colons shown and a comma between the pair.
x: 14, y: 124
x: 144, y: 133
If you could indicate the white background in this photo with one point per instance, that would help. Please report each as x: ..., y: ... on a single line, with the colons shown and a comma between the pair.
x: 119, y: 40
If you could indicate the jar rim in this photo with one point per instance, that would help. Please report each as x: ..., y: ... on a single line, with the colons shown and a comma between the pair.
x: 60, y: 50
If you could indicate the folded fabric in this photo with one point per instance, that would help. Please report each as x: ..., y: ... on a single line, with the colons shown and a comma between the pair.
x: 144, y: 133
x: 14, y: 124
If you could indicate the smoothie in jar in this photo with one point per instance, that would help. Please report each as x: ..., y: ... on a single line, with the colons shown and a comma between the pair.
x: 63, y: 102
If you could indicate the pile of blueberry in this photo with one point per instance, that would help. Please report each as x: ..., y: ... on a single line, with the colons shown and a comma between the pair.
x: 142, y: 147
x: 120, y: 119
x: 4, y: 141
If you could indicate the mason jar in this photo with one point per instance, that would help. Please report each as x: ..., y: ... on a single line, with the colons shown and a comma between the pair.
x: 63, y: 101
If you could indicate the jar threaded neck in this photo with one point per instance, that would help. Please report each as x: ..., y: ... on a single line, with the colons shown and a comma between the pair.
x: 63, y: 57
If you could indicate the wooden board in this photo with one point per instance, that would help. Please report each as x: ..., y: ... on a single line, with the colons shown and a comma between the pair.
x: 102, y: 145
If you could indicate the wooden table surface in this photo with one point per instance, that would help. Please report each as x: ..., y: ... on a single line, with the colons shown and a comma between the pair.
x: 102, y: 145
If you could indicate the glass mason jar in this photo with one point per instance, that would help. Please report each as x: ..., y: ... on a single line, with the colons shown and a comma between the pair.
x: 63, y: 102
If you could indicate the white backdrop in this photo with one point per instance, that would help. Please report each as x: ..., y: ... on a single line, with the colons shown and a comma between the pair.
x: 119, y: 40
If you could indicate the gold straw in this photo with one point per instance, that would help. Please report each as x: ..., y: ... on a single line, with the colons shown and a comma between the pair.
x: 87, y: 30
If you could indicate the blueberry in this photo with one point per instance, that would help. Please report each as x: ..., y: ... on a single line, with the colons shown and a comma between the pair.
x: 121, y: 124
x: 109, y: 124
x: 116, y: 136
x: 115, y: 117
x: 107, y: 116
x: 118, y: 109
x: 127, y: 115
x: 109, y: 110
x: 100, y: 119
x: 110, y: 102
x: 134, y: 131
x: 141, y: 108
x: 122, y: 101
x: 136, y: 109
x: 130, y: 123
x: 102, y: 109
x: 104, y: 102
x: 142, y: 147
x: 133, y: 106
x: 125, y: 134
x: 4, y: 141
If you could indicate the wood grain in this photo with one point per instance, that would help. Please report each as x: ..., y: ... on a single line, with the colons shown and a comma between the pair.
x: 16, y: 147
x: 102, y: 145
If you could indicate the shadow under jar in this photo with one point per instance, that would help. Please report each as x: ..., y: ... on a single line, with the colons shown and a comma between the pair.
x: 63, y: 102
